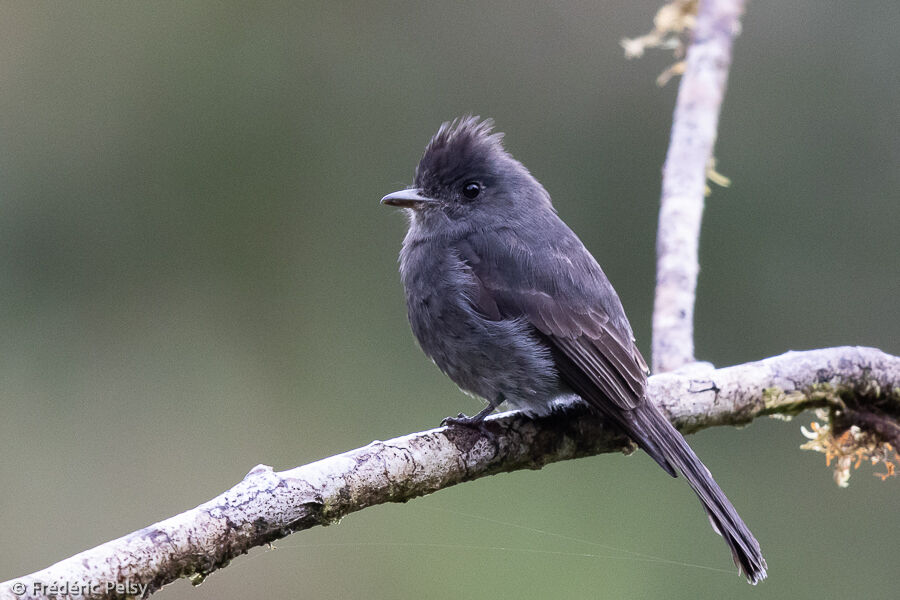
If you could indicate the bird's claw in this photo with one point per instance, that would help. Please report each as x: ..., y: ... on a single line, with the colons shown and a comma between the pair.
x: 462, y: 421
x: 474, y: 422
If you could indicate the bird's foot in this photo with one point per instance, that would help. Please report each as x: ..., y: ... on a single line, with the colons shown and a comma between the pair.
x: 474, y: 422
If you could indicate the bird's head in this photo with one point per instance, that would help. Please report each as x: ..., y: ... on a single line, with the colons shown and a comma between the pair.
x: 466, y: 175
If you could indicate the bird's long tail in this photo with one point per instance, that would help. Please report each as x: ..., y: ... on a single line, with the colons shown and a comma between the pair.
x: 653, y: 432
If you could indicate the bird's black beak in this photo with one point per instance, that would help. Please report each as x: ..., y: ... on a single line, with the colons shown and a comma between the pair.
x: 407, y: 199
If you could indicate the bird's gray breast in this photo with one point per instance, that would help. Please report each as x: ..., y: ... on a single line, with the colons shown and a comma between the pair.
x: 497, y: 357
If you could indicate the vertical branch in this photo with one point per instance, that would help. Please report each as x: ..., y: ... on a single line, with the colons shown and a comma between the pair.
x: 684, y: 180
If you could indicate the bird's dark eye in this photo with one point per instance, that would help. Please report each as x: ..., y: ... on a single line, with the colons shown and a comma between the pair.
x: 471, y: 189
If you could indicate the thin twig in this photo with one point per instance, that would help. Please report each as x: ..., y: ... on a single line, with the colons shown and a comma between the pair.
x: 684, y: 181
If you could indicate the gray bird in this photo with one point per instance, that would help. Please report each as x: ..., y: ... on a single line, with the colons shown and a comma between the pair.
x: 507, y: 301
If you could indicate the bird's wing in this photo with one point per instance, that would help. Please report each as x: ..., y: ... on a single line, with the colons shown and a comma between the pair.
x: 556, y: 284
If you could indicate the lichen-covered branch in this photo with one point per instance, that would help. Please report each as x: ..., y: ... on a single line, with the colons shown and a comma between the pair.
x: 694, y: 126
x: 858, y: 386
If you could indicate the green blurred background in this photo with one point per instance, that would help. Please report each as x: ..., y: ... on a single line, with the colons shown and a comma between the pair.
x: 196, y: 277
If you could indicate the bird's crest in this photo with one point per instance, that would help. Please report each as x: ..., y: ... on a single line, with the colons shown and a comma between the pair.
x: 459, y: 147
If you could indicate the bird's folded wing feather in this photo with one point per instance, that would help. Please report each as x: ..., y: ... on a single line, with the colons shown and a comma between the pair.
x: 561, y: 290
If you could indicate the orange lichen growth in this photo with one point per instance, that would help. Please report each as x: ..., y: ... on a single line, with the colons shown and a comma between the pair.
x: 890, y: 467
x: 850, y: 449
